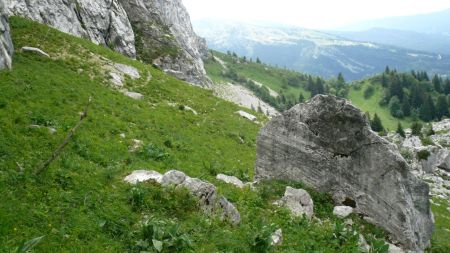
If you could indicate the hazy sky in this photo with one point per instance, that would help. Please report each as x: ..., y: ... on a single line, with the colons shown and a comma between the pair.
x: 315, y: 14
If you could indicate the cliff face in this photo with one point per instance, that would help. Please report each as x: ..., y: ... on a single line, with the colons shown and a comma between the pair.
x: 102, y: 21
x: 165, y: 37
x: 6, y: 47
x: 154, y: 31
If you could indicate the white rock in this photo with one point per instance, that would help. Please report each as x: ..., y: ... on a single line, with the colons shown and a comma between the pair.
x: 298, y: 201
x: 128, y: 70
x: 173, y: 177
x: 138, y: 176
x: 363, y: 245
x: 229, y: 211
x: 276, y: 238
x: 187, y: 108
x: 116, y: 79
x: 246, y: 115
x: 342, y: 211
x: 137, y: 144
x: 34, y: 50
x: 134, y: 95
x: 122, y: 135
x: 230, y: 180
x: 412, y: 142
x: 395, y: 249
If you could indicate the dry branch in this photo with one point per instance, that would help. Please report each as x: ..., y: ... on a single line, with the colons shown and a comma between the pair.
x: 58, y: 151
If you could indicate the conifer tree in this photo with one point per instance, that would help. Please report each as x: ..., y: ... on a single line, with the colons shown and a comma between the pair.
x: 400, y: 130
x: 301, y: 98
x: 416, y: 128
x: 427, y: 111
x: 442, y: 107
x: 376, y: 124
x: 437, y: 84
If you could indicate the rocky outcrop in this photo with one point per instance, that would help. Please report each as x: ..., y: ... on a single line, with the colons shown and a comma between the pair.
x: 209, y: 200
x: 156, y: 31
x: 6, y: 46
x: 327, y: 143
x: 104, y: 22
x: 165, y: 37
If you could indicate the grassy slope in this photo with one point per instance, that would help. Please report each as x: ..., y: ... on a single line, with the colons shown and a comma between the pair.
x: 371, y: 105
x: 81, y: 203
x: 270, y: 76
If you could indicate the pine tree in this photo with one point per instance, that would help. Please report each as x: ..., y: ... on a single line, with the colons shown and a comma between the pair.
x: 416, y: 128
x: 447, y: 87
x: 258, y: 60
x: 341, y: 79
x: 395, y: 107
x: 437, y: 84
x: 406, y: 108
x: 442, y: 107
x: 400, y: 130
x: 427, y: 111
x: 376, y: 124
x: 387, y: 70
x: 301, y: 98
x: 384, y: 81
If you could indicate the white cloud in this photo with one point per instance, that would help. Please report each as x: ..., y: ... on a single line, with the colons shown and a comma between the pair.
x: 317, y: 14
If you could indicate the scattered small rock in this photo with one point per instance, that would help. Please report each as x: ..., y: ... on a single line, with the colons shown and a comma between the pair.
x: 342, y: 211
x: 204, y: 191
x: 128, y: 70
x: 395, y: 249
x: 230, y: 212
x: 363, y: 245
x: 116, y: 79
x: 134, y: 95
x: 122, y: 135
x: 173, y: 177
x: 187, y: 108
x: 51, y: 130
x: 137, y: 144
x: 231, y: 180
x: 139, y: 176
x: 298, y: 201
x: 246, y: 115
x: 276, y: 238
x: 34, y: 50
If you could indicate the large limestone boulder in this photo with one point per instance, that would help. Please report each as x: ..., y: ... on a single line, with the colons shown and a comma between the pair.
x: 6, y: 46
x: 327, y: 144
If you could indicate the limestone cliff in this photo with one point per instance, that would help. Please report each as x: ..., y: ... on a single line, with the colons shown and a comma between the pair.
x: 154, y: 31
x: 165, y: 37
x: 327, y: 143
x: 102, y: 21
x: 6, y: 47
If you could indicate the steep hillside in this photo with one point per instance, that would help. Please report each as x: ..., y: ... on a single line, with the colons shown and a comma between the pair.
x: 81, y: 203
x: 315, y: 52
x: 156, y: 31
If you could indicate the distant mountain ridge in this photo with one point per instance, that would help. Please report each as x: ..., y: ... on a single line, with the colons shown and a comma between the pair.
x: 315, y: 52
x: 434, y: 43
x: 430, y: 23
